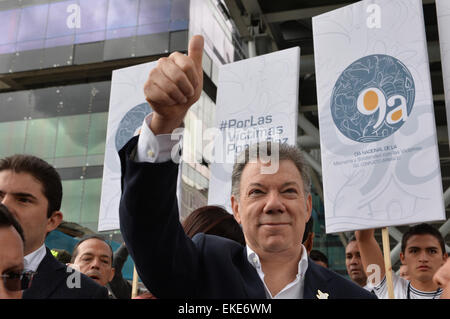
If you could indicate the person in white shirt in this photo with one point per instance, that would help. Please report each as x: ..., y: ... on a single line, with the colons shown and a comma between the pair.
x: 32, y: 191
x: 423, y: 250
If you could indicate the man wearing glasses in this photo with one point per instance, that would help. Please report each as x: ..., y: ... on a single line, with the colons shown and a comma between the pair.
x: 14, y: 279
x: 31, y: 189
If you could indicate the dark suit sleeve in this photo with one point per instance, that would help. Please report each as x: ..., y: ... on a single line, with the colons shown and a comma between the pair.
x: 119, y: 286
x: 101, y: 293
x: 166, y: 260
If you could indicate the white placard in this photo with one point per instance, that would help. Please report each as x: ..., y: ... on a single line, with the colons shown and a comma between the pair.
x: 257, y: 99
x: 443, y: 17
x: 380, y: 160
x: 127, y: 110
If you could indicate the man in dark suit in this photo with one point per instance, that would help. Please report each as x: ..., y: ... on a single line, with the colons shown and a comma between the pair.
x: 32, y: 190
x: 272, y: 207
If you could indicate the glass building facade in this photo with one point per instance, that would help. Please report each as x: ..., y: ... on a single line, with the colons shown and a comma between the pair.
x: 56, y: 61
x: 66, y: 126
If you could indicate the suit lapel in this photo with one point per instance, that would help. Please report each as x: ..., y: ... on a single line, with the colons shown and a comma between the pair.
x: 315, y: 280
x: 253, y: 285
x: 49, y: 275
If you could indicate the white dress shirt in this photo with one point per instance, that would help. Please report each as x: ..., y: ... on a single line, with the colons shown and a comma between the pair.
x: 155, y: 148
x: 32, y: 260
x: 293, y: 290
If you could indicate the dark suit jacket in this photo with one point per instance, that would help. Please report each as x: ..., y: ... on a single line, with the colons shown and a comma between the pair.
x: 173, y: 266
x: 50, y: 282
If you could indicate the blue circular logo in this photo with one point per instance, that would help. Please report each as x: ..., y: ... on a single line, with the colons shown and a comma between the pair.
x: 130, y: 123
x: 372, y: 98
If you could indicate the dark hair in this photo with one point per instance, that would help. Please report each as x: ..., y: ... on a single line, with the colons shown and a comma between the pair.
x: 75, y: 249
x: 213, y: 220
x: 40, y: 170
x: 317, y: 255
x: 423, y: 229
x: 264, y: 149
x: 7, y: 219
x: 308, y: 228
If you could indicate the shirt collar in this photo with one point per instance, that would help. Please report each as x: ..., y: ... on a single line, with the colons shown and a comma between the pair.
x: 253, y: 259
x: 32, y: 260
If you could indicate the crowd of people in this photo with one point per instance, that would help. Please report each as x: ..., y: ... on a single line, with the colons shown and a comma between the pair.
x: 262, y: 250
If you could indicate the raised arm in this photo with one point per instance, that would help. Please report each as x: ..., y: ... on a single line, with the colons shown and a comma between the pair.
x: 442, y: 278
x: 371, y: 255
x: 166, y: 259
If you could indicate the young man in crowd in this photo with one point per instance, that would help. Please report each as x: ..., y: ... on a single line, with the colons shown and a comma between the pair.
x: 423, y: 250
x: 272, y: 208
x: 32, y: 190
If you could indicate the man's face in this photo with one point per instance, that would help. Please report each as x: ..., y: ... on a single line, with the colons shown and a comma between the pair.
x: 94, y: 260
x: 24, y: 197
x: 353, y: 263
x: 272, y: 208
x: 11, y: 259
x: 424, y: 256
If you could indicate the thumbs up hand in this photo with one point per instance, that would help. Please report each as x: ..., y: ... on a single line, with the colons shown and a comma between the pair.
x: 173, y: 86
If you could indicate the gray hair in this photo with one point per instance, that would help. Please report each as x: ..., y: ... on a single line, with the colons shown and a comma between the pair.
x: 268, y: 150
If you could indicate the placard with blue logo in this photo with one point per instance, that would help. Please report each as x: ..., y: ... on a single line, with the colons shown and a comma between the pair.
x: 380, y: 159
x: 127, y: 110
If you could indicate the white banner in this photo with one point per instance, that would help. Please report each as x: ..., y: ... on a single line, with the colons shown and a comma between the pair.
x: 443, y: 17
x: 127, y: 110
x: 380, y: 160
x: 257, y: 99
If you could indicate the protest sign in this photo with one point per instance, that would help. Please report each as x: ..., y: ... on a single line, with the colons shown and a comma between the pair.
x: 257, y: 100
x: 127, y: 110
x: 380, y: 160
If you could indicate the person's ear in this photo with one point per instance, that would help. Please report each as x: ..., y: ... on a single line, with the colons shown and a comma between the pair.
x: 309, y: 242
x: 235, y: 207
x: 402, y: 258
x: 308, y: 207
x: 54, y: 220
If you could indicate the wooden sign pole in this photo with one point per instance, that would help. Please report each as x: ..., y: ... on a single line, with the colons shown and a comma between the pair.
x: 387, y: 262
x: 134, y: 289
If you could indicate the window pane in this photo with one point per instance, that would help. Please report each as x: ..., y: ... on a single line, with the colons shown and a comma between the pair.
x: 12, y: 137
x: 41, y: 137
x: 91, y: 203
x: 122, y: 14
x: 45, y: 102
x: 72, y: 135
x: 14, y: 106
x: 97, y: 133
x: 71, y: 204
x: 75, y: 99
x: 33, y: 21
x: 100, y: 92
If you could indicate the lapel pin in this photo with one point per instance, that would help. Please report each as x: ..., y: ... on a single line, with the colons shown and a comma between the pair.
x: 321, y: 295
